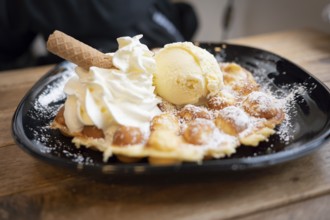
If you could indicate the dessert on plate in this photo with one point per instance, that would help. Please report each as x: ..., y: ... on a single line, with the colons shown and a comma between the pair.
x: 173, y: 105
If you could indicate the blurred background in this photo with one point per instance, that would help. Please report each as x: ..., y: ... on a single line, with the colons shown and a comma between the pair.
x: 26, y: 24
x: 250, y: 17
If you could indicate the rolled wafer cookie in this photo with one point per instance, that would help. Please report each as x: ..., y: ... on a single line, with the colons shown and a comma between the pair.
x: 77, y: 52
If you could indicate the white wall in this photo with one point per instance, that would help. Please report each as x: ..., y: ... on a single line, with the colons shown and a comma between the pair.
x: 258, y: 16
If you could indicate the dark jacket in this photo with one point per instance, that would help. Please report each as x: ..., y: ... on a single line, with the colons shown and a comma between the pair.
x: 95, y: 22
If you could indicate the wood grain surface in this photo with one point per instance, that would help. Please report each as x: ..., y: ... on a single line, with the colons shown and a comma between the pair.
x: 31, y: 189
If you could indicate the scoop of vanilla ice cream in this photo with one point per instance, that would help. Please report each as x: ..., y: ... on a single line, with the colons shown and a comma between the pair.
x: 123, y: 95
x: 186, y: 73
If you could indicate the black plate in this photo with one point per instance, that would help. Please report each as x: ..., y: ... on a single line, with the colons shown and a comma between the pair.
x: 307, y: 129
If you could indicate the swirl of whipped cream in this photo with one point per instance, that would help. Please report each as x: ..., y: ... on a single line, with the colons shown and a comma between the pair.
x: 122, y: 95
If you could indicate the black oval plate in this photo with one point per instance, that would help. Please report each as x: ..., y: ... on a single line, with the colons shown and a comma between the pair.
x: 309, y: 123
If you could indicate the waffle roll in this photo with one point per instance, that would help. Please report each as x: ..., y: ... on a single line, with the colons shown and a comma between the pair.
x: 76, y: 51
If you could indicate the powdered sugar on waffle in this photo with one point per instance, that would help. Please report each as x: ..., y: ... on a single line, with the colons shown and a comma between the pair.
x: 236, y: 116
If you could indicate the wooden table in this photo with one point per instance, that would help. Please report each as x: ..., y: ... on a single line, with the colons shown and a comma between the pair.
x: 30, y: 189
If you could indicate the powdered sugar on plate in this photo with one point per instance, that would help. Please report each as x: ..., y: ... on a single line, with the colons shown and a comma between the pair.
x: 45, y: 107
x: 47, y: 102
x: 288, y: 97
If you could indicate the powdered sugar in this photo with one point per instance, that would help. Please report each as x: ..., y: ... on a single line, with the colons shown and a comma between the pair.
x: 44, y: 108
x: 53, y: 143
x: 211, y: 137
x: 289, y: 96
x: 267, y: 70
x: 262, y: 99
x: 47, y: 102
x: 236, y: 115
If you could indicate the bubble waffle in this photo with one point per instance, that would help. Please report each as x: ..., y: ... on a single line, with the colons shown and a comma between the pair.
x: 238, y: 114
x: 112, y: 107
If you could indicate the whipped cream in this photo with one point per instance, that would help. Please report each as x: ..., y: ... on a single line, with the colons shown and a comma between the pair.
x: 121, y: 95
